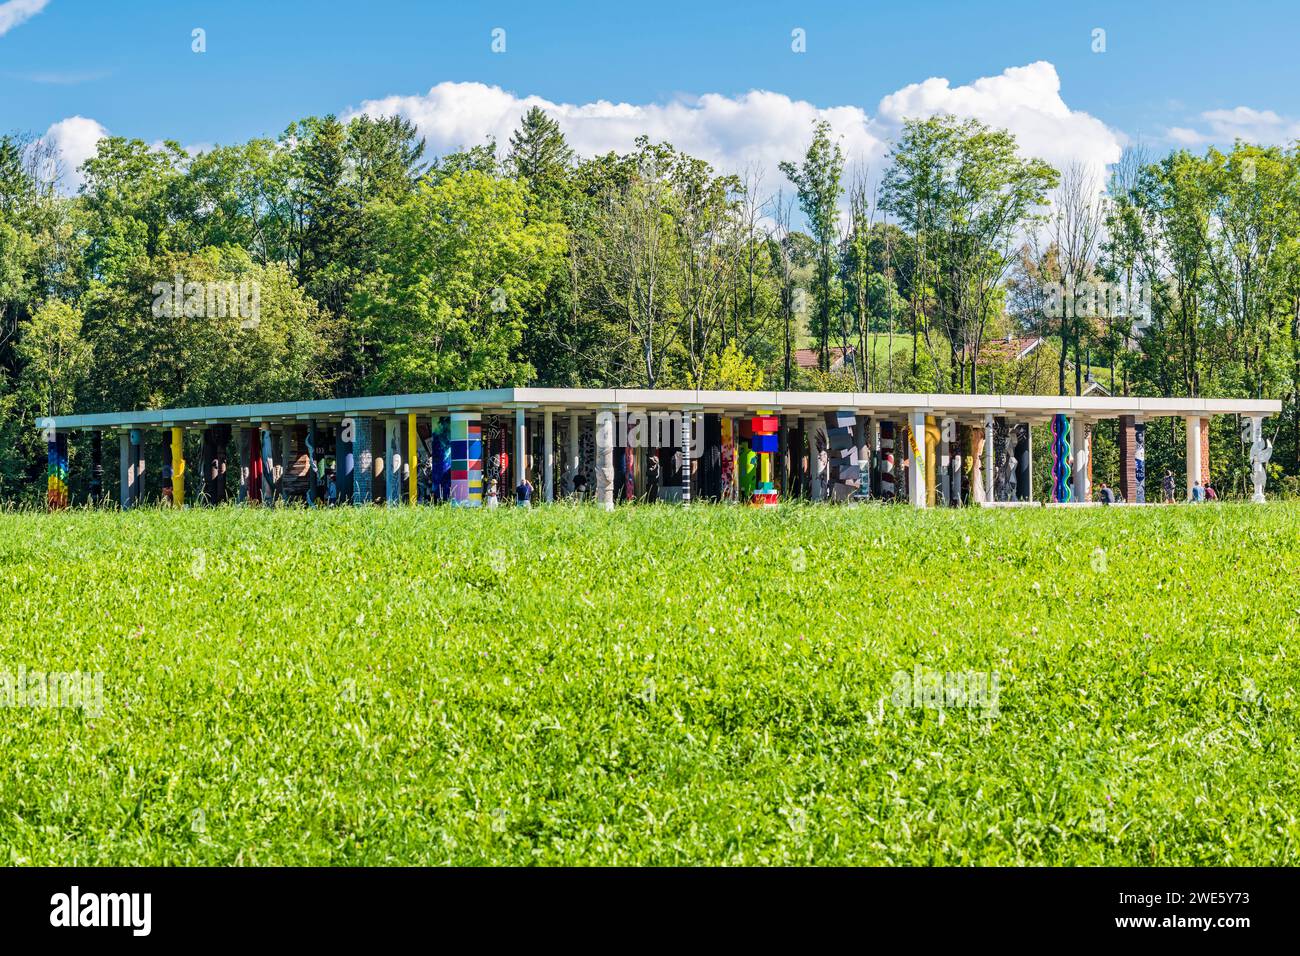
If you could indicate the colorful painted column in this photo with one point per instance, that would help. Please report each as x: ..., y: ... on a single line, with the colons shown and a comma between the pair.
x: 1081, y: 470
x: 1140, y: 461
x: 466, y: 460
x: 178, y: 467
x: 989, y: 432
x: 763, y: 444
x: 310, y: 443
x: 250, y: 471
x: 863, y: 433
x: 56, y: 469
x: 727, y: 457
x: 345, y: 457
x: 917, y: 471
x: 932, y: 439
x: 1062, y: 487
x: 412, y: 459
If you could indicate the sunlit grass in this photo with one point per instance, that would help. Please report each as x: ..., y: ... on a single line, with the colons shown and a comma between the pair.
x: 656, y: 685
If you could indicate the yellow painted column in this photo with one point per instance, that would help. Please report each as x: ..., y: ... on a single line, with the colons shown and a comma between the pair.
x: 178, y: 467
x: 931, y: 457
x: 412, y: 459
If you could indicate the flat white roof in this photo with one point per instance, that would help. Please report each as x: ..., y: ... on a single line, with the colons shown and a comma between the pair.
x: 1019, y: 407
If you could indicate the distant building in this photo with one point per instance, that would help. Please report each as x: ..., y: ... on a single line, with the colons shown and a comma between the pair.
x: 842, y: 357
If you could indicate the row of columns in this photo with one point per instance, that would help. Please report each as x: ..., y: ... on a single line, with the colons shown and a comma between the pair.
x: 935, y: 446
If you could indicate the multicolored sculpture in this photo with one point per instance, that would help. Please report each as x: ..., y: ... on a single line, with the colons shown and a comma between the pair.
x: 56, y: 470
x: 1140, y: 462
x: 763, y: 445
x: 1062, y: 487
x: 466, y: 460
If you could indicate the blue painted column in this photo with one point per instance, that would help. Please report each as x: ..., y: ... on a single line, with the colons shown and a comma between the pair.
x: 345, y: 472
x: 364, y: 462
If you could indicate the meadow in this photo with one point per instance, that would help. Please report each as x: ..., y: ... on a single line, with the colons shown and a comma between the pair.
x: 655, y: 685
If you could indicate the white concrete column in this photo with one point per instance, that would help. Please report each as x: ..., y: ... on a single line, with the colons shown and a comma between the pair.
x: 1260, y: 453
x: 916, y: 453
x: 548, y: 457
x: 605, y: 459
x: 988, y: 457
x: 1193, y: 452
x: 1081, y: 443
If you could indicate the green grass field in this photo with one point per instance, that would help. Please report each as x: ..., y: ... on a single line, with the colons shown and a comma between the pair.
x: 656, y: 685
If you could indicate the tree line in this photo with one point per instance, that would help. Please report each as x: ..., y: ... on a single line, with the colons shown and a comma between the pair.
x: 371, y: 267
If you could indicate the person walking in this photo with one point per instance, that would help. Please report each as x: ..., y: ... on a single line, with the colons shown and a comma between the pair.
x: 1168, y: 487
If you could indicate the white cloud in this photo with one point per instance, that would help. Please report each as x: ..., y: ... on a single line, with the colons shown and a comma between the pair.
x: 73, y: 141
x: 17, y: 12
x: 1223, y: 127
x: 760, y: 128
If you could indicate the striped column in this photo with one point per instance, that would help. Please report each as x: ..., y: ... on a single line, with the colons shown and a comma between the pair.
x: 466, y: 460
x: 763, y: 444
x: 1062, y: 489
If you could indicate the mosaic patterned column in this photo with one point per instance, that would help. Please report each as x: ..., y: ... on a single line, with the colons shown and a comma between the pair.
x: 466, y: 460
x: 763, y: 444
x: 845, y: 473
x: 56, y: 470
x: 1140, y: 462
x: 363, y: 454
x: 1061, y: 470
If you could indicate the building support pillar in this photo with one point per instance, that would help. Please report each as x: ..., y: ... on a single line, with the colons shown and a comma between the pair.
x: 1193, y: 452
x: 932, y: 436
x: 96, y: 465
x: 412, y: 459
x: 1261, y: 450
x: 605, y: 459
x: 548, y: 456
x: 178, y: 466
x: 56, y: 469
x: 125, y: 471
x: 917, y: 493
x: 1062, y: 487
x: 1081, y: 484
x: 988, y: 456
x: 467, y: 460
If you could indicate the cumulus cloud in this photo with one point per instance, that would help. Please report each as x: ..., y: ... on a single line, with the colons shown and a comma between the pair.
x: 17, y: 12
x: 758, y: 129
x: 72, y: 141
x: 1223, y: 127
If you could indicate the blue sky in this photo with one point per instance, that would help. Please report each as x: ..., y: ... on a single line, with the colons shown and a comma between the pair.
x: 1188, y: 73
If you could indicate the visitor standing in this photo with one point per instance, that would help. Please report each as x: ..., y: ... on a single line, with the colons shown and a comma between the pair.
x: 1168, y: 487
x: 492, y: 499
x: 524, y: 493
x: 1107, y: 496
